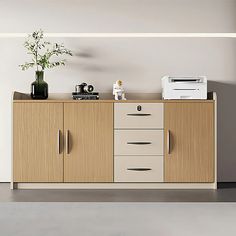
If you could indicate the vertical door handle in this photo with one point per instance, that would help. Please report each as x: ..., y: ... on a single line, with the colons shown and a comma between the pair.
x: 59, y: 141
x: 168, y: 142
x: 67, y: 142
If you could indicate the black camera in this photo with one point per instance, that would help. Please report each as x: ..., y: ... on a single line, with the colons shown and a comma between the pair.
x: 84, y: 88
x: 85, y: 92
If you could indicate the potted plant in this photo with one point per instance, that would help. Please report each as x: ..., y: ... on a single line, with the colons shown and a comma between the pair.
x: 42, y: 53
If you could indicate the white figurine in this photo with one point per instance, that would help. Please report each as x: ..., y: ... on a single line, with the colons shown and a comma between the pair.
x: 118, y: 91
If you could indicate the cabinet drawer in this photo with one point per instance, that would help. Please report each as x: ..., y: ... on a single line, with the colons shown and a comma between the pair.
x: 138, y: 142
x: 138, y: 169
x: 138, y: 115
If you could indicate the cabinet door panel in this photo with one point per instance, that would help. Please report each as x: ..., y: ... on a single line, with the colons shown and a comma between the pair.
x: 35, y: 148
x: 190, y: 157
x: 89, y: 157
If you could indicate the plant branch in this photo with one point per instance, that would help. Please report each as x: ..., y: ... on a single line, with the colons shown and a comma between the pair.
x: 35, y: 44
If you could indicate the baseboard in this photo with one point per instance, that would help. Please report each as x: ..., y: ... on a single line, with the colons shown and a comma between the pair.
x: 115, y: 186
x: 226, y: 184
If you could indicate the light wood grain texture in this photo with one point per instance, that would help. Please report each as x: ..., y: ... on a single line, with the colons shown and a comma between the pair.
x: 191, y: 157
x: 90, y: 157
x: 35, y: 148
x: 104, y: 98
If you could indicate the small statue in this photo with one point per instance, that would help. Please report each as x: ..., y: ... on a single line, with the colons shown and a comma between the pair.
x: 118, y: 91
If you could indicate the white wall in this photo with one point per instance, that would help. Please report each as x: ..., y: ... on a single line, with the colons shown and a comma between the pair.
x: 118, y: 15
x: 139, y: 62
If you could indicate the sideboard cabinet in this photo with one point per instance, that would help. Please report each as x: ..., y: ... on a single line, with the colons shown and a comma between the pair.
x: 56, y: 142
x: 88, y: 132
x: 36, y: 142
x: 114, y: 144
x: 189, y: 136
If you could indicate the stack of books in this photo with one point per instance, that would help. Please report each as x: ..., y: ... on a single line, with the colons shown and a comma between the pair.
x: 85, y: 96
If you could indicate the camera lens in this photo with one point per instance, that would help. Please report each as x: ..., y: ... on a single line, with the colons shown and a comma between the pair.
x: 90, y: 88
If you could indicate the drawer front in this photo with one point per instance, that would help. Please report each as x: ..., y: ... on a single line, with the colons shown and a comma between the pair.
x: 138, y: 115
x: 138, y: 142
x: 138, y: 169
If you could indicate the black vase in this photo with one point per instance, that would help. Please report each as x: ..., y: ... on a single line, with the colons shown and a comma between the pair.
x: 39, y: 88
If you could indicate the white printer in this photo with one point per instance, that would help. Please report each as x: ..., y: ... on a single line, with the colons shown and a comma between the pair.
x: 184, y: 87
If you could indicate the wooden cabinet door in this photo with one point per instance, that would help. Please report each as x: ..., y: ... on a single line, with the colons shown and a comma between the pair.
x: 189, y: 142
x: 36, y: 142
x: 88, y: 128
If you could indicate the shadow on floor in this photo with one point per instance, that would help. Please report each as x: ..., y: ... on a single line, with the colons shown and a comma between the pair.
x: 226, y: 193
x: 226, y: 129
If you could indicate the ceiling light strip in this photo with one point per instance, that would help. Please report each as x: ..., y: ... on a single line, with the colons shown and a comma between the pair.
x: 125, y: 35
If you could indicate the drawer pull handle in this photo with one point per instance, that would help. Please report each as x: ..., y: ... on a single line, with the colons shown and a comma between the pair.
x: 139, y: 169
x: 138, y: 114
x: 139, y: 143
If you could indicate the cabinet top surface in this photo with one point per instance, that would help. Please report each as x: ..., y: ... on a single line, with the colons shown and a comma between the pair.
x: 104, y: 98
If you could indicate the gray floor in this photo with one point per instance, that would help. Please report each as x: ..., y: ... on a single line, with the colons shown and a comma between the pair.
x: 225, y: 193
x: 117, y: 219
